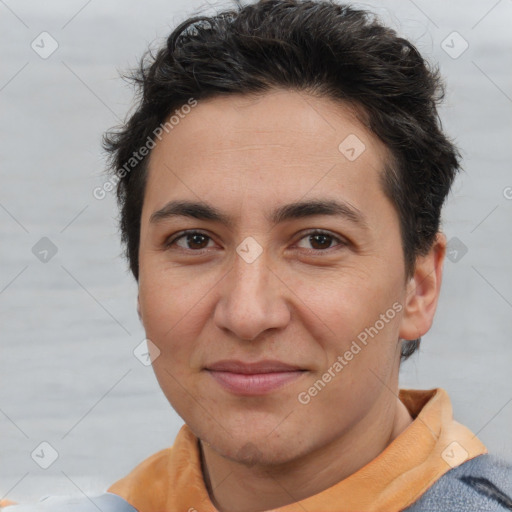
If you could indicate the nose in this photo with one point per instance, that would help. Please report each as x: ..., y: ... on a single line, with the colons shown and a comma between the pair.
x: 253, y: 299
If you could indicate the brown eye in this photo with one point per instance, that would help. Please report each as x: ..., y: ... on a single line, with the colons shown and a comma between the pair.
x: 321, y: 240
x: 193, y: 240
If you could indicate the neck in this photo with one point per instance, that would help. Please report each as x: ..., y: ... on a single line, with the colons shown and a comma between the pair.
x: 235, y: 487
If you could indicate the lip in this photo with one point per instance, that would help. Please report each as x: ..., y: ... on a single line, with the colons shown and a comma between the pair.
x: 264, y: 366
x: 252, y: 379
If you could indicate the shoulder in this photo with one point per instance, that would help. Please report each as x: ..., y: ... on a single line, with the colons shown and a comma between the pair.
x: 482, y: 484
x: 148, y: 474
x: 106, y: 502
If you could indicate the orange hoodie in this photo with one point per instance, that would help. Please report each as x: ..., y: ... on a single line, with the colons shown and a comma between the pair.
x: 171, y: 480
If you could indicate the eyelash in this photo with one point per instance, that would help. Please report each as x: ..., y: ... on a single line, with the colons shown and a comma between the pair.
x: 342, y: 243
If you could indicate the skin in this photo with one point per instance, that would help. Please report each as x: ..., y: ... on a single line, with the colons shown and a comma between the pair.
x: 303, y: 301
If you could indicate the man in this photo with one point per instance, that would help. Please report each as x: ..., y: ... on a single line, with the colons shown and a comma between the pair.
x: 280, y: 185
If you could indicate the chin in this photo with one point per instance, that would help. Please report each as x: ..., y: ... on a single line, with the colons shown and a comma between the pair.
x: 253, y: 450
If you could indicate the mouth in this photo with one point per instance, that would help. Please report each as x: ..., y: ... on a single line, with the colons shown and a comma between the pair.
x: 253, y: 379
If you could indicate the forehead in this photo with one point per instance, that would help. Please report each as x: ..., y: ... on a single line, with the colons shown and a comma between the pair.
x: 281, y: 143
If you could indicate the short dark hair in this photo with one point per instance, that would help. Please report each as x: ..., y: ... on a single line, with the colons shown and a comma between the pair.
x: 317, y: 46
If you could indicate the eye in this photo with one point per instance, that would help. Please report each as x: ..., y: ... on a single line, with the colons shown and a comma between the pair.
x: 193, y: 240
x: 196, y: 241
x: 321, y: 240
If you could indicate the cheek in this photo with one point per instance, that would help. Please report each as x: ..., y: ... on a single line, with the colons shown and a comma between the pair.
x: 164, y: 316
x: 168, y: 323
x: 166, y: 296
x: 357, y: 303
x: 357, y: 372
x: 364, y: 319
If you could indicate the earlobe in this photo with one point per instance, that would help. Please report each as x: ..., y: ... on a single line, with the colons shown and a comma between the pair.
x: 423, y: 291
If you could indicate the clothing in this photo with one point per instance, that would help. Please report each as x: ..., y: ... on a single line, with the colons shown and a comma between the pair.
x: 413, y: 474
x: 106, y: 502
x: 470, y: 487
x: 482, y: 484
x: 172, y: 480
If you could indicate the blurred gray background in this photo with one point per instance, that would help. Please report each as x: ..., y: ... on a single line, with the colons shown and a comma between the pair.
x: 68, y: 321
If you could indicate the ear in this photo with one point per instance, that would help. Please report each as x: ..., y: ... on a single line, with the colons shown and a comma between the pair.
x: 423, y: 291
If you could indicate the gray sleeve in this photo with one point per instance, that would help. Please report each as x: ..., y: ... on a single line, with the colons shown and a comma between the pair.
x: 106, y: 502
x: 482, y: 484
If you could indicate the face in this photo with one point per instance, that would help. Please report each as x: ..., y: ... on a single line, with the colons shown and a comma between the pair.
x: 290, y: 296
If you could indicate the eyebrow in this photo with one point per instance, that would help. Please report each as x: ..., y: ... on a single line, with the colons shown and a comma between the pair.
x: 297, y: 210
